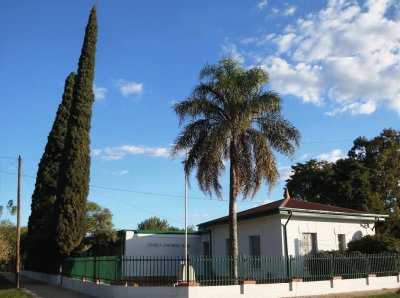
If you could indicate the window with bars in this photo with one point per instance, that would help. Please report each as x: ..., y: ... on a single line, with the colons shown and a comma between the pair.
x: 342, y: 242
x: 228, y: 247
x: 309, y: 243
x: 206, y: 248
x: 255, y: 250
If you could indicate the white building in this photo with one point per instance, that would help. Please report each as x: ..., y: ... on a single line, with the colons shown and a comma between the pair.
x: 289, y: 227
x: 282, y: 228
x: 144, y: 243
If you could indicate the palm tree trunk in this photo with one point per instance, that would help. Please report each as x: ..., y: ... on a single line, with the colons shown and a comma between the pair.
x: 233, y: 191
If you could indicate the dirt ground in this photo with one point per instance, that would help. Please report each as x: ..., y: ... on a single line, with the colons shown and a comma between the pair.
x: 356, y: 294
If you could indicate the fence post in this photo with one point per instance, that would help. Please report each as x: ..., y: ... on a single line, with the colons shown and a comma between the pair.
x: 94, y: 269
x: 61, y: 272
x: 368, y: 267
x: 332, y: 267
x: 187, y: 268
x: 397, y: 263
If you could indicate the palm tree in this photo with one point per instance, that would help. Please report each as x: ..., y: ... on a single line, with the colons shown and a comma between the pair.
x: 230, y: 118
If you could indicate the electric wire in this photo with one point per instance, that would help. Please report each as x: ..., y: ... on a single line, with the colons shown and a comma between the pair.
x: 147, y: 193
x: 8, y: 157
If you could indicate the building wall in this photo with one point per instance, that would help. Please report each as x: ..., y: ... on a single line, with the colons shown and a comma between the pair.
x: 326, y: 230
x: 160, y: 245
x: 268, y: 228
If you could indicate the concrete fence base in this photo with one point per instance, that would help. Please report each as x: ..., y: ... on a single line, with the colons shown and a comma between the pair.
x: 245, y: 290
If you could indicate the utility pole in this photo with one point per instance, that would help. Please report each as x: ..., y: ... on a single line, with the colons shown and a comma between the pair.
x: 17, y: 261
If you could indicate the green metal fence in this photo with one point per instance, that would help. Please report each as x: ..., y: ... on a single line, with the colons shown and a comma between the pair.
x: 167, y: 271
x: 106, y: 269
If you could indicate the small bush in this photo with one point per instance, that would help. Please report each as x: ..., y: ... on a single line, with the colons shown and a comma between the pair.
x: 374, y: 244
x: 328, y: 253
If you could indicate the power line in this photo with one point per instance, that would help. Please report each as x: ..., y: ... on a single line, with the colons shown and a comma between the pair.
x: 146, y: 193
x: 167, y: 195
x: 145, y: 210
x: 16, y: 174
x: 114, y: 199
x: 8, y: 157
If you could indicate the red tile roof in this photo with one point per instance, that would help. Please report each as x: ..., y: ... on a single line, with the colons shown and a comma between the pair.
x: 297, y: 204
x: 273, y: 208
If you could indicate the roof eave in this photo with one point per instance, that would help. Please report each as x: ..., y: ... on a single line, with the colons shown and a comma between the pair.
x: 338, y: 214
x: 241, y: 218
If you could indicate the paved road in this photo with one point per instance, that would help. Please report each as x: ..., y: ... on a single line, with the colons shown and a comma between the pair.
x: 44, y: 290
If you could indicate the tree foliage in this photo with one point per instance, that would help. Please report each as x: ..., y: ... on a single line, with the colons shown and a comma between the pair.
x: 230, y: 117
x: 5, y: 250
x: 75, y: 166
x: 157, y: 224
x: 381, y: 155
x: 12, y: 209
x: 153, y: 223
x: 42, y: 221
x: 8, y: 238
x: 57, y: 221
x: 368, y: 179
x: 310, y: 181
x: 100, y: 236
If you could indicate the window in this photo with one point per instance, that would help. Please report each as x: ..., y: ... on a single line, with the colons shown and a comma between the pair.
x: 206, y: 248
x: 255, y: 250
x: 228, y: 247
x: 254, y: 245
x: 309, y: 243
x: 342, y: 242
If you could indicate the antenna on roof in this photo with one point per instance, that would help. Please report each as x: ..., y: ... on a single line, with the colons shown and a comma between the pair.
x: 287, y: 195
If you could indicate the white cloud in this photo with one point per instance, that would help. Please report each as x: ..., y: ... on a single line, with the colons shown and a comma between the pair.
x: 284, y: 11
x: 345, y: 57
x: 304, y: 156
x: 115, y: 153
x: 128, y: 88
x: 298, y: 79
x: 248, y: 40
x: 230, y: 49
x: 99, y: 93
x: 285, y: 172
x: 120, y: 173
x: 95, y: 152
x: 262, y: 4
x: 290, y: 11
x: 274, y: 11
x: 332, y: 156
x: 355, y: 108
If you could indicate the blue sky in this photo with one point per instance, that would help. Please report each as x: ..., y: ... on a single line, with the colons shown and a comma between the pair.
x: 336, y: 64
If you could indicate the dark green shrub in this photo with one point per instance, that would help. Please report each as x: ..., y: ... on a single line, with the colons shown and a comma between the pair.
x: 374, y: 244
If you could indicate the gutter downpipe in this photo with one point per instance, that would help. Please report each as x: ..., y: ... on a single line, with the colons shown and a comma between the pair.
x: 376, y: 220
x: 286, y: 244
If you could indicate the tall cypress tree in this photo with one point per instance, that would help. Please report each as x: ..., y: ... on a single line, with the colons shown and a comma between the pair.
x: 75, y: 166
x: 42, y: 221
